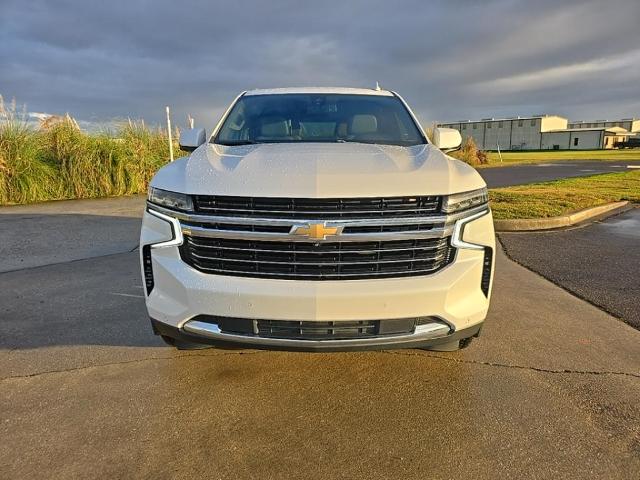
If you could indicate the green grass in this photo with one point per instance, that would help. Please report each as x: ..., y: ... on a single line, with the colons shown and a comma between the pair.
x: 550, y: 199
x: 63, y: 162
x: 511, y: 158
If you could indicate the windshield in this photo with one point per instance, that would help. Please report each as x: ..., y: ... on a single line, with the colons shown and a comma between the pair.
x: 296, y: 118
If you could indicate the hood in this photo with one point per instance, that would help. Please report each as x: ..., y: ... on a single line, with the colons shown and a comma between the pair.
x: 317, y: 170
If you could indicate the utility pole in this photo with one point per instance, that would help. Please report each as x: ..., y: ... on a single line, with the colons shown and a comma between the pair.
x: 170, y: 138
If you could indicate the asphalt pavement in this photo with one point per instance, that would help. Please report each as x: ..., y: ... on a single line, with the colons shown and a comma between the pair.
x: 599, y: 262
x: 543, y: 172
x: 550, y: 389
x: 66, y: 230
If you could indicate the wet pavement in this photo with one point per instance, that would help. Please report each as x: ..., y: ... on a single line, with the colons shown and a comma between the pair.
x: 549, y: 390
x: 599, y: 262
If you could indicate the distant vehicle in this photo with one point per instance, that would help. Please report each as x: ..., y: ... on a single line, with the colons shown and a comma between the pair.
x: 318, y: 219
x: 629, y: 143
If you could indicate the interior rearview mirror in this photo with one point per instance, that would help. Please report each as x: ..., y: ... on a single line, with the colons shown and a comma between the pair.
x: 447, y: 139
x: 192, y: 138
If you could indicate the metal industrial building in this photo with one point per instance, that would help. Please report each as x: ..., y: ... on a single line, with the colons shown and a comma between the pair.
x: 543, y: 132
x: 629, y: 124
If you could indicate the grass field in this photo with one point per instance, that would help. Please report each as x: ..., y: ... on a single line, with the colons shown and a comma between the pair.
x: 63, y: 162
x: 511, y: 158
x: 550, y: 199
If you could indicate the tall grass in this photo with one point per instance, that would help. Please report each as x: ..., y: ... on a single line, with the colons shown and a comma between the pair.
x: 60, y: 161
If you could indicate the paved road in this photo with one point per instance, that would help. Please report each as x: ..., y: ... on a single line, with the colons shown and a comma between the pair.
x: 86, y: 391
x: 599, y: 262
x: 542, y: 172
x: 53, y: 232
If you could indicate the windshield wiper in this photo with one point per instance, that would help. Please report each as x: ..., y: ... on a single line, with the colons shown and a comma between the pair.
x: 238, y: 142
x: 379, y: 142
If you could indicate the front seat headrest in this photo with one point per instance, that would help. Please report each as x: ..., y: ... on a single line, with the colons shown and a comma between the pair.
x: 364, y: 123
x: 274, y: 127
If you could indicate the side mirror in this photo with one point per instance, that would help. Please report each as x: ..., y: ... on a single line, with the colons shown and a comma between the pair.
x: 447, y: 139
x: 192, y: 138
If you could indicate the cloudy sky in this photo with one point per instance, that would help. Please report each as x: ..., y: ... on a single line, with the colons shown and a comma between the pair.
x: 451, y: 60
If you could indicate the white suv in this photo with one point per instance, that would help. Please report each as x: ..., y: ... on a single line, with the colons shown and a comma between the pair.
x: 318, y: 219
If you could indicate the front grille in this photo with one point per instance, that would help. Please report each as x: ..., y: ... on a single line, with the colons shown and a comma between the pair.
x: 317, y: 261
x: 317, y: 208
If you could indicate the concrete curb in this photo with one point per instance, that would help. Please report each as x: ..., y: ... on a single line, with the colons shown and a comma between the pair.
x: 531, y: 224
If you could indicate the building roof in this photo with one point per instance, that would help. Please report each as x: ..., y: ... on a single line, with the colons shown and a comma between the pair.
x: 605, y: 121
x: 506, y: 119
x: 613, y: 130
x: 320, y: 90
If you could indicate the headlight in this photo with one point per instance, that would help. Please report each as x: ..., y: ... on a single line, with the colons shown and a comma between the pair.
x: 463, y: 201
x: 168, y: 199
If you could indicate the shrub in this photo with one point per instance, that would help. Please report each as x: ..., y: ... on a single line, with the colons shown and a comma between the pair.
x: 470, y: 154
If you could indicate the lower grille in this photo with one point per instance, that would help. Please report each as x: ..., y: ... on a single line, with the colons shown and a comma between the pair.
x: 317, y: 330
x: 317, y: 261
x: 314, y: 330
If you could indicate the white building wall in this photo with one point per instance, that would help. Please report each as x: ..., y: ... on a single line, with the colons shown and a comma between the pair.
x: 498, y: 132
x: 574, y: 140
x: 552, y: 139
x: 588, y: 140
x: 475, y: 130
x: 525, y: 134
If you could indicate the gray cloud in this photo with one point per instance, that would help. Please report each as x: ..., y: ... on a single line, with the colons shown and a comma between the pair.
x: 449, y: 59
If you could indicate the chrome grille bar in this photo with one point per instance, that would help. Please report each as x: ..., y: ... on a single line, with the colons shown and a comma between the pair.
x: 345, y: 262
x: 306, y: 212
x: 443, y: 243
x: 327, y: 276
x: 345, y: 237
x: 343, y: 222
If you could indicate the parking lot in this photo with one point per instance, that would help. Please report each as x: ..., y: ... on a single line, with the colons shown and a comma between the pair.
x: 550, y: 390
x: 544, y: 172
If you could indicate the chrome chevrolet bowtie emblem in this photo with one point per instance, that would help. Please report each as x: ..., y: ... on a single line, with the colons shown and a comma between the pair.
x: 315, y: 231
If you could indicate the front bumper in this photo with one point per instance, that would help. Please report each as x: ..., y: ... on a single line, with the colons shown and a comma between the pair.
x: 453, y: 296
x: 213, y: 336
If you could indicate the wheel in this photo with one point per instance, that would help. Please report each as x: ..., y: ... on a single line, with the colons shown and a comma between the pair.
x: 182, y: 344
